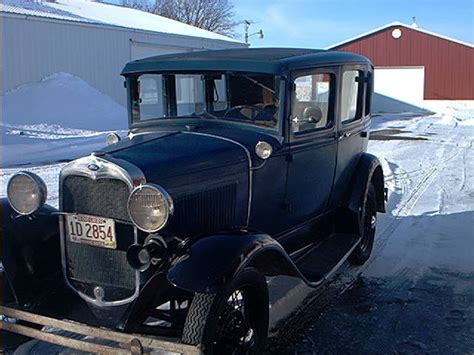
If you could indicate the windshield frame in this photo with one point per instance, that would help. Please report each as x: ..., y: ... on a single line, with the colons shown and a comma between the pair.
x: 178, y: 121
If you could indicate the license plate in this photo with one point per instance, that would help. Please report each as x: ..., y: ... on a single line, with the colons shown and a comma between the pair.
x: 91, y: 230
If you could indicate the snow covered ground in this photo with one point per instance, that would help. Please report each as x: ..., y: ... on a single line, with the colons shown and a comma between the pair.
x: 60, y: 118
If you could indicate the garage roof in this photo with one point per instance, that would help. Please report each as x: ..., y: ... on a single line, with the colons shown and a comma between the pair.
x: 397, y: 24
x: 106, y: 14
x: 256, y: 60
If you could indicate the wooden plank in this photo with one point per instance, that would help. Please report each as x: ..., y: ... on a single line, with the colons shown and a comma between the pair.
x: 124, y: 338
x: 61, y: 340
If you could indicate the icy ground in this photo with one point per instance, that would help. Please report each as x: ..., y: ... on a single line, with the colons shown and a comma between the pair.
x: 416, y: 294
x: 59, y: 118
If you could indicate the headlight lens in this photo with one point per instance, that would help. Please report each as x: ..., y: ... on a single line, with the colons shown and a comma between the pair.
x: 149, y: 207
x: 26, y: 192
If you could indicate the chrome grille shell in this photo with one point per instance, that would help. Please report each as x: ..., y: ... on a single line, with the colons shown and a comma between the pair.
x: 125, y: 176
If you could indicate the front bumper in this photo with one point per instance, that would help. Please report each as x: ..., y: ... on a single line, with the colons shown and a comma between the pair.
x: 93, y: 338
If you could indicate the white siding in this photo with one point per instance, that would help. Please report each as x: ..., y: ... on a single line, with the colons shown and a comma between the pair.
x: 33, y: 48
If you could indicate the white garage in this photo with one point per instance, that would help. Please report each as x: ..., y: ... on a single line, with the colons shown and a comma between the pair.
x: 89, y: 40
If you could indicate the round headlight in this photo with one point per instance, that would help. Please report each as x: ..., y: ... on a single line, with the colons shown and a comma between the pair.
x: 26, y: 192
x: 149, y: 207
x: 112, y: 138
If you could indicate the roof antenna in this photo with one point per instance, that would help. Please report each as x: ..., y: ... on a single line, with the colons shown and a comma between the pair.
x: 414, y: 24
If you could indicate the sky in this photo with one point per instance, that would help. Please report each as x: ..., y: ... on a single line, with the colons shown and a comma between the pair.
x: 321, y: 23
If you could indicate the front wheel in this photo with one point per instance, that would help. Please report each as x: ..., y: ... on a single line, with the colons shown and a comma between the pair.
x: 368, y: 220
x: 233, y: 321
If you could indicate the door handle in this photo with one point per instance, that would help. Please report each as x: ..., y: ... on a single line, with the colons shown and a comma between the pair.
x: 344, y: 135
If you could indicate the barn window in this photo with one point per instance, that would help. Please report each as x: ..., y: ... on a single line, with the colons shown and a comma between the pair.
x: 352, y: 95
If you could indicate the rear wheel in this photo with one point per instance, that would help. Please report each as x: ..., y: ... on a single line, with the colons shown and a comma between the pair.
x: 369, y: 220
x: 234, y: 321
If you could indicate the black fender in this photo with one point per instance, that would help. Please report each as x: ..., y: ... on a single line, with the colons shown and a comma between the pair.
x: 30, y: 253
x: 211, y: 261
x: 368, y: 170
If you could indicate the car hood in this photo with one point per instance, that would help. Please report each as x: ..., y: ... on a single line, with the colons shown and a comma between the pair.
x: 167, y: 154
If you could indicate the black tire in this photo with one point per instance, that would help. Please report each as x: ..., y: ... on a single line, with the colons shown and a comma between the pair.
x: 369, y: 219
x: 234, y: 321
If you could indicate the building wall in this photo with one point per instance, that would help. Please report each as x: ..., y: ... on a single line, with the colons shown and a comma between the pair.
x: 449, y: 73
x: 33, y: 48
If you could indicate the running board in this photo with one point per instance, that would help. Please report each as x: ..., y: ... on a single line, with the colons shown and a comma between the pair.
x: 117, y: 342
x: 319, y: 263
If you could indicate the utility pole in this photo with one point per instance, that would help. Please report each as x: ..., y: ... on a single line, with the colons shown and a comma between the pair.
x: 247, y: 24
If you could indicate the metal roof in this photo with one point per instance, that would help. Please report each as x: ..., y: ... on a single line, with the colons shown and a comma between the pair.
x: 398, y: 24
x: 257, y: 60
x: 41, y: 11
x: 104, y: 14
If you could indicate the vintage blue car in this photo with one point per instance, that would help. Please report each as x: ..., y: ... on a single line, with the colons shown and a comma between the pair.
x: 240, y: 166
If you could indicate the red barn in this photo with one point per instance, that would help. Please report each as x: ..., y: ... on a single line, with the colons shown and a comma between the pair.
x: 413, y: 64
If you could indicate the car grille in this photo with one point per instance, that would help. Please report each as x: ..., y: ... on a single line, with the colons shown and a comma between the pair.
x: 103, y: 197
x: 88, y: 266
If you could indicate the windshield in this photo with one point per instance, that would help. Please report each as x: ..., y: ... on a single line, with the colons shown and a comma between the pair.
x: 252, y: 99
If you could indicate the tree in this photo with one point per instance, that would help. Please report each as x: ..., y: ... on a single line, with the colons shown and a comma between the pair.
x: 212, y: 15
x: 143, y: 5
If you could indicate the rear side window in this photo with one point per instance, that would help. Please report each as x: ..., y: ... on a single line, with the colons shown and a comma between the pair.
x: 351, y: 95
x: 311, y: 102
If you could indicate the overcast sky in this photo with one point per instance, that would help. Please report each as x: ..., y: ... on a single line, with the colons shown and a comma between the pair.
x: 321, y: 23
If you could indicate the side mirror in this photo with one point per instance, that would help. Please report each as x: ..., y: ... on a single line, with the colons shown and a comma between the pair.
x: 312, y: 114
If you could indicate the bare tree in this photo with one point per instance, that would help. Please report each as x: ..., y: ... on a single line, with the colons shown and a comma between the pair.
x: 213, y: 15
x: 143, y: 5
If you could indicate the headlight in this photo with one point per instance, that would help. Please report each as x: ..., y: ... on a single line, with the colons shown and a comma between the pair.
x: 26, y: 192
x: 149, y: 207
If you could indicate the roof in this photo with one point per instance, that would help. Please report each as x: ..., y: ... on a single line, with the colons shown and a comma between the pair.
x: 257, y: 60
x: 98, y: 13
x: 397, y: 24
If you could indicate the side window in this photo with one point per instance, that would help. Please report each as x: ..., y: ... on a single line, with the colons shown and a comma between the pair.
x: 311, y: 102
x: 351, y: 96
x: 148, y: 100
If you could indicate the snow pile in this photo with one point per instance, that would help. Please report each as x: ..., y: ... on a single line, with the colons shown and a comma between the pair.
x: 64, y: 100
x: 60, y: 118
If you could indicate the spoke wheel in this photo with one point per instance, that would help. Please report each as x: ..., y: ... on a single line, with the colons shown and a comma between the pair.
x: 369, y: 221
x: 235, y: 333
x: 233, y: 321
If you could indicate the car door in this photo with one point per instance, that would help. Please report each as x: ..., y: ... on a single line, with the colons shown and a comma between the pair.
x: 352, y: 125
x: 313, y: 149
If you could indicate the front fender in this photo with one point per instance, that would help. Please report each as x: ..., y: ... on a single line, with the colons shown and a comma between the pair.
x: 212, y: 260
x: 30, y: 252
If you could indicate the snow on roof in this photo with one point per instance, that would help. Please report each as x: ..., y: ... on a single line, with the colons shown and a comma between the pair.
x: 401, y: 24
x: 106, y: 14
